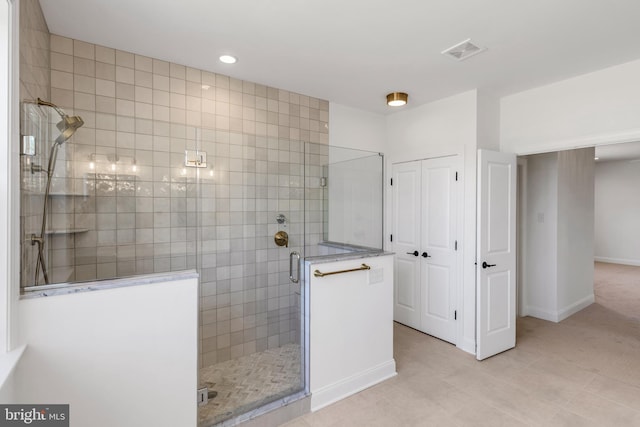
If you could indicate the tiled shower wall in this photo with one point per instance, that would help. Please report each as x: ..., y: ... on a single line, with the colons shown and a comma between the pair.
x: 124, y: 204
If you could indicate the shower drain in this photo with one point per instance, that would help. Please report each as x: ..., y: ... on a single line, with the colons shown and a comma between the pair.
x: 204, y: 395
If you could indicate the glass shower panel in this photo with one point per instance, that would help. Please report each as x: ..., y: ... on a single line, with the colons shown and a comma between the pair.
x: 36, y: 145
x: 344, y: 189
x: 353, y: 213
x: 47, y: 215
x: 121, y: 200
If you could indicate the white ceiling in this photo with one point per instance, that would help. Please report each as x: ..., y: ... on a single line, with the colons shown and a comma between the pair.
x: 354, y: 52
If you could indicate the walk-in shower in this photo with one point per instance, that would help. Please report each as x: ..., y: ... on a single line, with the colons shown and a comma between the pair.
x: 67, y: 127
x: 172, y: 168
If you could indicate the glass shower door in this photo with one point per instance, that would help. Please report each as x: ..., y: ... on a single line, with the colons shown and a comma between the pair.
x: 250, y: 311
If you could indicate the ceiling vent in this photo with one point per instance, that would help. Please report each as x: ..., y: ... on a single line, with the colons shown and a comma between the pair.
x: 463, y: 50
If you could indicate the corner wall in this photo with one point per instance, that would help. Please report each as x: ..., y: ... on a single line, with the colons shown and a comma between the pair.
x: 617, y: 207
x: 558, y: 276
x: 575, y: 230
x: 540, y: 266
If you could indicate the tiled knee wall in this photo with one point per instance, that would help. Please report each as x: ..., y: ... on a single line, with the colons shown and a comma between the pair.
x: 121, y: 186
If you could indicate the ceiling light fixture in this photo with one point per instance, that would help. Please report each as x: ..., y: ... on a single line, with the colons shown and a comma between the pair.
x: 228, y: 59
x: 397, y: 99
x: 596, y: 158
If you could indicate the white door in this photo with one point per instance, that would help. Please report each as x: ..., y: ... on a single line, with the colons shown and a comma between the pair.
x: 496, y: 252
x: 438, y: 248
x: 406, y: 243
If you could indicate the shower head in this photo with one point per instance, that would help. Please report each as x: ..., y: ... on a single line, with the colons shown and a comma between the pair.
x: 67, y: 126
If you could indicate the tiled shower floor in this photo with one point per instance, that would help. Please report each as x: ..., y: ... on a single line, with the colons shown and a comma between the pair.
x: 249, y: 382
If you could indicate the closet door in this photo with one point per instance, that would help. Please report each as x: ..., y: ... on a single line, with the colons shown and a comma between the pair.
x: 438, y: 253
x: 406, y: 242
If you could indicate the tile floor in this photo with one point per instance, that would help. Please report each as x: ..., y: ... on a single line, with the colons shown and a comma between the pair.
x: 584, y: 371
x: 249, y: 382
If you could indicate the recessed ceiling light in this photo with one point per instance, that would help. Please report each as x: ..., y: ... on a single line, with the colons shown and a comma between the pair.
x: 206, y: 87
x: 228, y: 59
x: 596, y: 158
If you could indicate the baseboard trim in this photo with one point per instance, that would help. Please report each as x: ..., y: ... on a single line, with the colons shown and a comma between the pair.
x: 468, y: 345
x: 562, y: 314
x: 576, y: 307
x: 623, y: 261
x: 540, y: 313
x: 351, y: 385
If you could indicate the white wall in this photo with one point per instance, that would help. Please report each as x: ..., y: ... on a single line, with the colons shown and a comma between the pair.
x: 444, y: 127
x: 617, y: 209
x: 351, y: 343
x: 591, y: 109
x: 540, y: 265
x: 558, y: 266
x: 9, y: 175
x: 575, y: 230
x: 5, y: 156
x: 488, y: 123
x: 358, y: 129
x: 125, y: 356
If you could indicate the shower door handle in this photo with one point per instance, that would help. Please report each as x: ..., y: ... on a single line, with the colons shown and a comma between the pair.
x: 295, y: 255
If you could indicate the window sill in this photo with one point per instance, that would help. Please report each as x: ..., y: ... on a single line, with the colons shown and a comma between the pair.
x: 8, y: 362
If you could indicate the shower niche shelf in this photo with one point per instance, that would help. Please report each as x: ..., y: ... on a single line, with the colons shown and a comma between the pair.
x: 66, y: 231
x: 56, y: 194
x: 60, y: 194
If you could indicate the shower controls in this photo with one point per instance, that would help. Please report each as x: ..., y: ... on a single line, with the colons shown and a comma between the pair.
x: 195, y: 159
x: 28, y: 145
x: 280, y: 219
x: 281, y: 238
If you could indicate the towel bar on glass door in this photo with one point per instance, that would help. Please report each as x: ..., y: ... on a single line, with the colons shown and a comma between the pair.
x: 317, y: 273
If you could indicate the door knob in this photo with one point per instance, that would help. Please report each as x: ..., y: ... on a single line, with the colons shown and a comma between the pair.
x: 425, y: 255
x: 485, y: 265
x: 414, y: 253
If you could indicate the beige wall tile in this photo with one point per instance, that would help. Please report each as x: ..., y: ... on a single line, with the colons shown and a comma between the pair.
x: 143, y: 78
x: 83, y: 49
x: 105, y: 71
x: 61, y: 44
x: 125, y: 75
x: 61, y: 80
x: 105, y: 54
x: 125, y: 59
x: 143, y: 63
x: 85, y: 67
x: 105, y: 88
x: 62, y: 62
